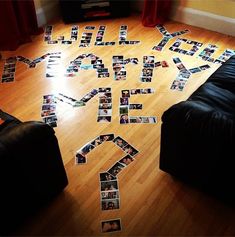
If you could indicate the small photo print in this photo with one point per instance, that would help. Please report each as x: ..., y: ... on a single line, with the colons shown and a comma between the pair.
x: 164, y: 64
x: 116, y: 169
x: 184, y: 74
x: 204, y: 67
x: 107, y: 112
x: 148, y: 59
x: 111, y: 225
x: 47, y: 97
x: 107, y: 137
x: 147, y: 72
x: 110, y: 204
x: 147, y: 91
x: 124, y: 101
x: 125, y: 93
x: 104, y: 89
x: 51, y: 100
x: 124, y: 119
x: 178, y: 85
x: 120, y: 142
x: 49, y: 119
x: 105, y: 106
x: 117, y: 67
x: 86, y: 149
x: 135, y: 106
x: 80, y: 159
x: 119, y: 77
x: 180, y: 66
x: 126, y: 160
x: 176, y: 60
x: 150, y: 119
x: 46, y: 113
x: 61, y: 37
x: 105, y: 95
x: 66, y: 41
x: 146, y: 79
x: 89, y: 27
x: 106, y: 177
x: 96, y: 142
x: 135, y: 91
x: 109, y: 195
x: 104, y: 119
x: 123, y: 109
x: 52, y: 124
x: 157, y: 64
x: 118, y: 59
x: 130, y: 150
x: 111, y: 185
x: 105, y: 100
x: 51, y: 107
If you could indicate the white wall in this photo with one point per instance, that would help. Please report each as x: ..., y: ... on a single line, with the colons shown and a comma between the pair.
x: 208, y: 14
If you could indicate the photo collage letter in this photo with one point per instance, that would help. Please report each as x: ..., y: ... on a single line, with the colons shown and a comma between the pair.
x: 125, y: 106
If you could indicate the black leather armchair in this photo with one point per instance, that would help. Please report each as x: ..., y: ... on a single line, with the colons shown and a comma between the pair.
x: 31, y: 170
x: 198, y: 135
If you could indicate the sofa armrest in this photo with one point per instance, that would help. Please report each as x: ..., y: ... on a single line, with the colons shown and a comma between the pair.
x: 197, y: 145
x: 198, y: 119
x: 31, y: 169
x: 33, y: 151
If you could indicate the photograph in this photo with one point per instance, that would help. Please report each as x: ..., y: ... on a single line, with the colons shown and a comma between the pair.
x: 125, y: 93
x: 111, y: 225
x: 124, y: 119
x: 105, y: 106
x: 110, y: 204
x: 106, y: 177
x: 134, y: 119
x: 107, y: 137
x: 126, y: 160
x: 46, y: 113
x: 109, y: 185
x: 96, y: 142
x: 104, y: 119
x: 195, y: 70
x: 135, y: 106
x: 109, y: 195
x: 130, y: 150
x: 120, y: 141
x: 86, y: 149
x: 135, y: 91
x: 49, y: 119
x: 147, y: 91
x: 178, y: 84
x: 123, y: 109
x: 116, y: 169
x: 124, y: 101
x: 148, y: 59
x: 104, y: 89
x: 80, y: 159
x: 105, y: 100
x: 176, y: 60
x: 107, y: 112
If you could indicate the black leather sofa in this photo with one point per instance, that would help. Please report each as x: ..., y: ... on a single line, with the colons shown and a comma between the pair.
x: 198, y: 135
x: 31, y: 171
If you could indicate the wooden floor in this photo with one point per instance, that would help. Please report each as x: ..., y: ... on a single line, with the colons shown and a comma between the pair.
x: 152, y: 202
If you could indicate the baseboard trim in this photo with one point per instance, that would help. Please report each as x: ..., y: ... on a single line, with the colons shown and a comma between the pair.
x: 206, y: 20
x: 47, y: 13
